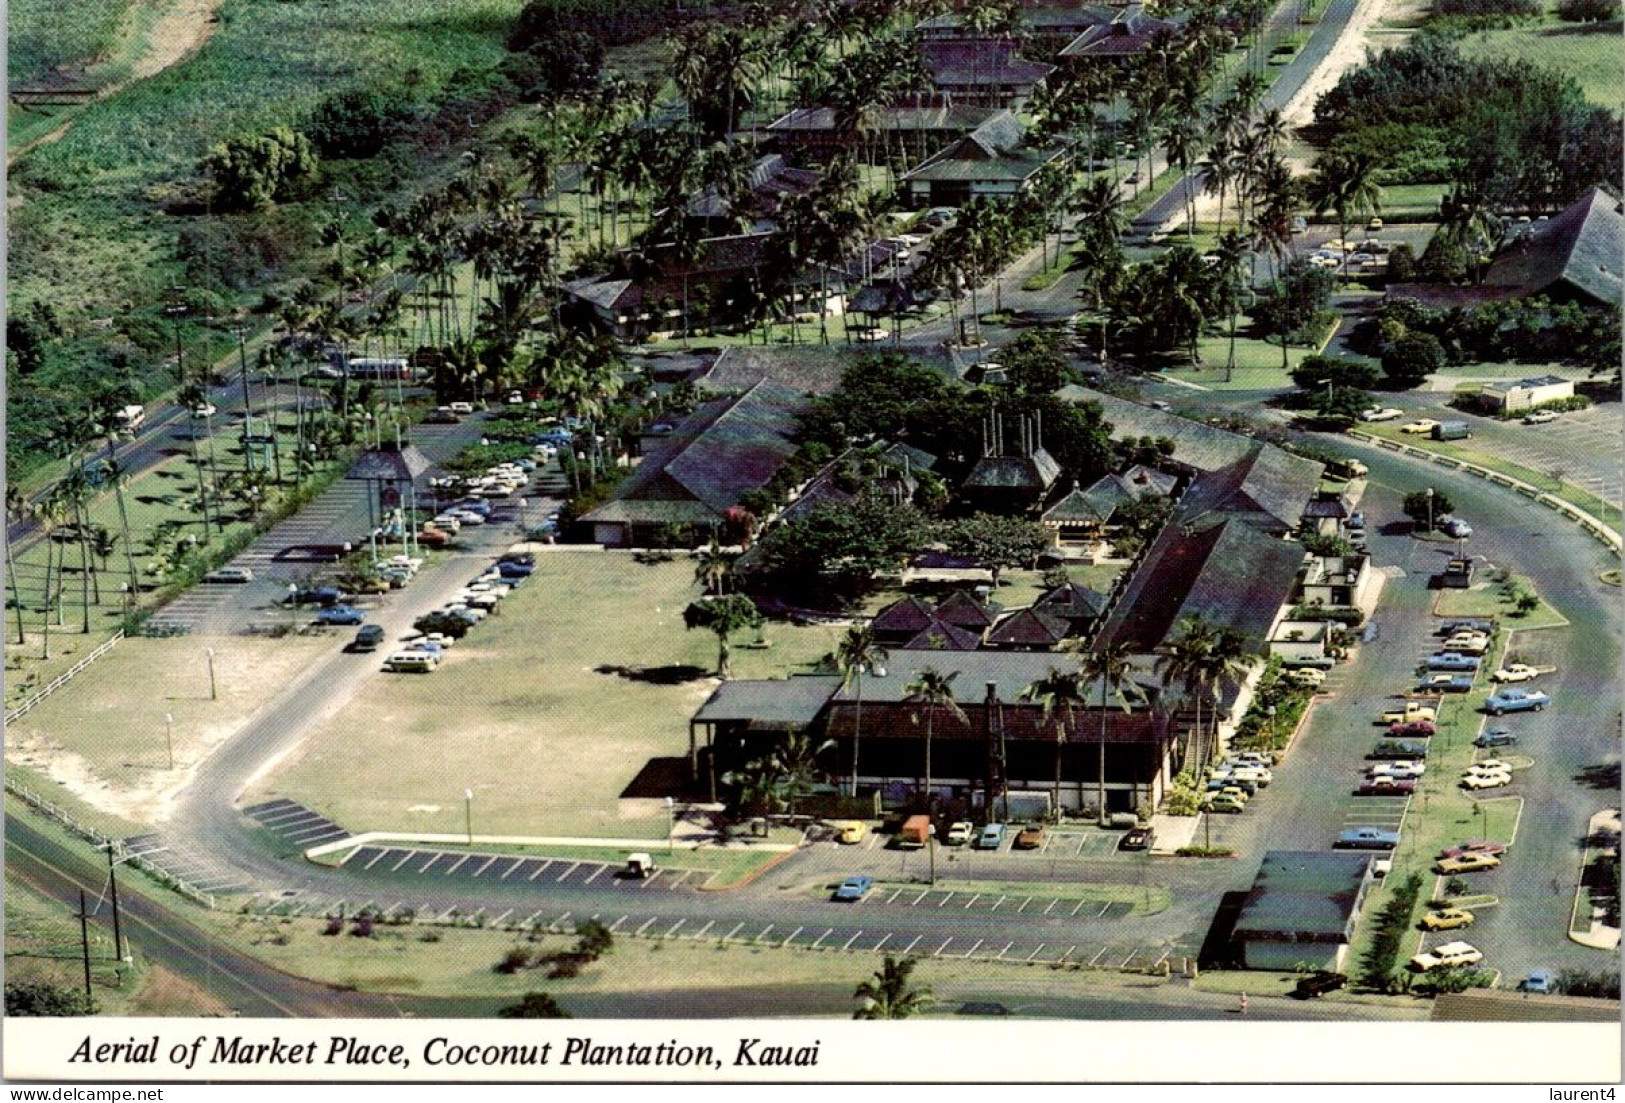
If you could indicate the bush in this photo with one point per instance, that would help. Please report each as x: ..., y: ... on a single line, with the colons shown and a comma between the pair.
x: 358, y: 122
x: 1392, y: 925
x: 513, y: 961
x: 1205, y: 852
x: 254, y: 172
x: 1587, y: 11
x: 1412, y: 358
x: 1479, y: 9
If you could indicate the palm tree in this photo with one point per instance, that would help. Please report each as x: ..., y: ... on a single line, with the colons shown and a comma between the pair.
x: 934, y: 690
x: 1218, y: 171
x: 1059, y: 695
x: 1233, y: 268
x: 887, y: 994
x: 857, y: 652
x: 17, y: 507
x: 714, y: 568
x: 1110, y: 664
x: 1226, y: 663
x: 1186, y: 661
x: 1345, y: 185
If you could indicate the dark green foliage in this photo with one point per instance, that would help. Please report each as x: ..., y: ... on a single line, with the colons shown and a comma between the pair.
x: 1587, y: 11
x: 359, y: 122
x: 240, y: 253
x: 1296, y: 307
x: 1402, y: 263
x: 1138, y: 522
x: 1035, y: 362
x: 1411, y: 359
x: 37, y: 998
x: 1595, y: 985
x: 444, y: 623
x: 1484, y: 9
x: 566, y: 59
x: 1162, y: 305
x: 1417, y: 508
x: 1406, y: 153
x: 1527, y: 331
x: 999, y: 543
x: 834, y: 550
x: 612, y: 22
x: 254, y: 172
x: 28, y: 331
x: 534, y: 1005
x: 876, y: 396
x: 1392, y: 925
x: 1314, y: 371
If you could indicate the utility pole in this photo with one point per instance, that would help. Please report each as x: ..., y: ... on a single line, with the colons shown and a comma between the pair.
x: 84, y: 942
x: 112, y: 882
x: 248, y: 406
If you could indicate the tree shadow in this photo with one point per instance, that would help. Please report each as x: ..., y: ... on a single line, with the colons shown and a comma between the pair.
x: 1604, y: 776
x: 673, y: 674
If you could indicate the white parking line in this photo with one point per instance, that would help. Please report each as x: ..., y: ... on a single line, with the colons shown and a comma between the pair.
x: 792, y: 937
x: 894, y: 896
x: 1101, y: 954
x: 1079, y: 905
x: 1036, y: 952
x: 531, y: 918
x: 1024, y: 904
x: 649, y: 880
x: 673, y: 928
x: 1104, y: 908
x: 943, y: 947
x: 1128, y: 959
x: 1052, y: 903
x: 972, y: 900
x: 709, y: 923
x: 517, y: 863
x: 540, y: 870
x: 559, y: 922
x: 575, y: 866
x: 973, y: 949
x: 646, y: 924
x: 687, y: 873
x: 733, y: 932
x: 883, y: 940
x: 821, y: 937
x: 497, y: 922
x: 1162, y: 959
x: 486, y: 866
x: 920, y: 897
x: 595, y: 875
x: 996, y: 904
x: 613, y: 926
x: 376, y: 858
x: 1004, y: 951
x: 1070, y: 950
x: 909, y: 949
x: 945, y: 899
x: 1083, y: 841
x: 457, y: 863
x: 851, y: 940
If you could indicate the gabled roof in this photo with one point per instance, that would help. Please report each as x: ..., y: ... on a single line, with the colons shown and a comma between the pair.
x: 907, y: 614
x: 941, y: 636
x: 1011, y: 672
x: 1047, y: 20
x: 770, y: 180
x: 917, y: 459
x: 1128, y: 34
x: 792, y: 702
x: 1326, y: 507
x: 1036, y: 472
x: 1582, y: 247
x: 1028, y: 628
x: 978, y: 158
x: 1148, y: 481
x: 719, y: 452
x: 964, y: 611
x: 810, y: 369
x: 1072, y: 601
x: 389, y: 465
x: 1079, y: 507
x: 977, y: 64
x: 1230, y: 574
x: 1273, y: 486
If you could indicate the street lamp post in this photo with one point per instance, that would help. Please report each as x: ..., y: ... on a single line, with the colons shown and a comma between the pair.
x: 169, y: 736
x: 1430, y: 509
x: 671, y: 824
x: 1269, y: 714
x: 214, y: 694
x: 112, y: 884
x: 468, y: 814
x: 524, y: 526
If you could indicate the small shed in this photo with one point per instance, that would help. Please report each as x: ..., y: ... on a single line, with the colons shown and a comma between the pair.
x: 1301, y: 911
x: 1299, y: 641
x: 1512, y: 396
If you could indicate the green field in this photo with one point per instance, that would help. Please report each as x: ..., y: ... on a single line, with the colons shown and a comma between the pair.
x: 1589, y: 52
x: 40, y: 37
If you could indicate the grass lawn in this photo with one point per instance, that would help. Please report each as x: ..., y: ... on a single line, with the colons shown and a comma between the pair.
x: 106, y: 740
x: 1487, y: 600
x: 1588, y: 52
x: 1412, y: 202
x: 548, y: 712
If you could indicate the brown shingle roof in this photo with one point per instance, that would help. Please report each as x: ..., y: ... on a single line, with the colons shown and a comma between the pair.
x: 1028, y: 628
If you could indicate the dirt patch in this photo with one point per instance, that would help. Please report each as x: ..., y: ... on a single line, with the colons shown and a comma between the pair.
x: 168, y: 994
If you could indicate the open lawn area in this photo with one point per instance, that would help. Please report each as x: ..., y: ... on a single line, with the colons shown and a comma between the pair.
x: 1489, y: 600
x: 106, y: 741
x: 547, y: 712
x: 1589, y: 52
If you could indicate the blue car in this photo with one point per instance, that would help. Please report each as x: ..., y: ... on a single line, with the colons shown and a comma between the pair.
x: 1539, y: 981
x: 1446, y: 683
x: 1516, y: 700
x: 1367, y: 838
x: 992, y: 835
x: 1452, y: 660
x: 340, y: 614
x: 475, y: 505
x: 515, y: 570
x: 853, y: 889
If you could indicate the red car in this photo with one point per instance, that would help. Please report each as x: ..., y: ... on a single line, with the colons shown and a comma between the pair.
x: 1413, y: 728
x: 1475, y: 846
x: 1385, y: 787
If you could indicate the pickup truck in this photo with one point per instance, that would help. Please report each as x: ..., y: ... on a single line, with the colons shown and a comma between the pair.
x: 1516, y: 700
x: 1410, y: 713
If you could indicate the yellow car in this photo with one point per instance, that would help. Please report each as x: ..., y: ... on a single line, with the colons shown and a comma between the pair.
x: 851, y: 832
x: 1412, y: 712
x: 1467, y: 863
x: 1447, y: 919
x: 1420, y: 425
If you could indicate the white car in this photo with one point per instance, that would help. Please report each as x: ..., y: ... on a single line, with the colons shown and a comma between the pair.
x: 1540, y: 417
x: 1381, y: 413
x: 1475, y: 643
x: 468, y: 517
x: 447, y: 523
x: 960, y: 833
x: 1328, y: 263
x: 205, y: 409
x: 462, y: 407
x: 1451, y: 953
x: 1487, y: 780
x: 467, y: 612
x: 1399, y: 771
x: 1306, y: 676
x: 1258, y: 775
x: 1515, y: 672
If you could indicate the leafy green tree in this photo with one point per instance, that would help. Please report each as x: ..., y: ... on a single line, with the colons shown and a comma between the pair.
x: 1318, y: 371
x: 998, y: 543
x: 888, y: 995
x: 1296, y: 306
x: 723, y: 616
x: 1411, y: 359
x: 41, y: 999
x: 837, y: 549
x: 358, y: 122
x: 1035, y: 362
x: 254, y: 172
x: 1420, y: 506
x: 534, y: 1005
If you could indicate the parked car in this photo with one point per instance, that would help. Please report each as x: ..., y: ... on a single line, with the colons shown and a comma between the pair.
x: 1445, y: 683
x: 466, y: 516
x: 1399, y: 749
x: 340, y: 614
x: 1355, y: 520
x: 1306, y: 677
x: 852, y: 831
x: 321, y: 595
x: 1416, y: 729
x: 1515, y: 672
x: 464, y: 408
x: 430, y: 648
x: 442, y: 415
x: 1401, y: 770
x: 1451, y: 953
x: 1489, y: 779
x: 1224, y: 802
x: 1451, y: 627
x: 1539, y: 981
x: 1495, y: 737
x: 1540, y: 417
x: 1455, y: 527
x: 367, y: 638
x: 1475, y: 846
x: 515, y: 570
x: 1318, y: 984
x: 1367, y: 838
x: 410, y: 662
x: 854, y: 889
x: 1381, y: 413
x: 1385, y: 787
x: 1466, y: 863
x: 1030, y: 837
x: 991, y: 837
x: 1410, y: 712
x: 960, y: 832
x: 1516, y: 700
x: 229, y: 574
x: 1138, y: 839
x: 1447, y: 919
x: 1452, y: 660
x: 1420, y: 425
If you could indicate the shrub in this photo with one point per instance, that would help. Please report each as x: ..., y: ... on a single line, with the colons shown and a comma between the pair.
x: 1587, y: 11
x: 335, y: 926
x: 514, y: 960
x: 1412, y: 358
x: 1392, y: 925
x: 358, y: 122
x: 254, y: 172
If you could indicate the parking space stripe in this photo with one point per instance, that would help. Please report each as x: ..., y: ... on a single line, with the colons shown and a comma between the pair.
x: 486, y: 866
x: 757, y: 941
x: 540, y: 870
x: 733, y: 932
x: 973, y: 949
x: 923, y: 894
x: 1070, y: 950
x: 529, y: 919
x: 851, y: 940
x: 376, y: 858
x: 1104, y: 908
x: 1036, y: 952
x: 883, y: 940
x: 1129, y: 958
x: 459, y: 862
x: 972, y: 900
x: 821, y: 937
x: 559, y: 922
x: 1004, y: 951
x: 615, y: 925
x: 1024, y: 904
x: 996, y: 904
x: 909, y: 949
x: 793, y: 934
x: 646, y: 924
x: 894, y: 896
x: 687, y: 873
x: 1101, y: 954
x: 1052, y: 904
x: 595, y: 874
x: 1079, y: 904
x: 945, y: 900
x: 943, y: 947
x: 517, y: 863
x: 575, y: 866
x: 433, y: 858
x: 709, y: 923
x: 497, y: 922
x: 649, y: 880
x: 673, y: 928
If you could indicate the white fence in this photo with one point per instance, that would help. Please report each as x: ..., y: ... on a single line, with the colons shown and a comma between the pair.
x: 62, y: 679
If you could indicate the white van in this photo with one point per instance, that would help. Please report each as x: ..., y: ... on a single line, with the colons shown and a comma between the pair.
x: 410, y: 662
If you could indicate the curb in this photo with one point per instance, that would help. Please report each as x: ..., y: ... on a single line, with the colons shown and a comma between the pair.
x: 751, y: 877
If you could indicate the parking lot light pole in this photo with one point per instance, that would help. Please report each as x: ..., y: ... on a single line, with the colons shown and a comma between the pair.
x: 214, y: 694
x: 671, y: 824
x: 468, y: 814
x: 169, y: 736
x: 1430, y: 509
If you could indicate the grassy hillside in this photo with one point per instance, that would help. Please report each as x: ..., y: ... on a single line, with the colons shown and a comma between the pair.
x: 1589, y: 52
x: 42, y: 35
